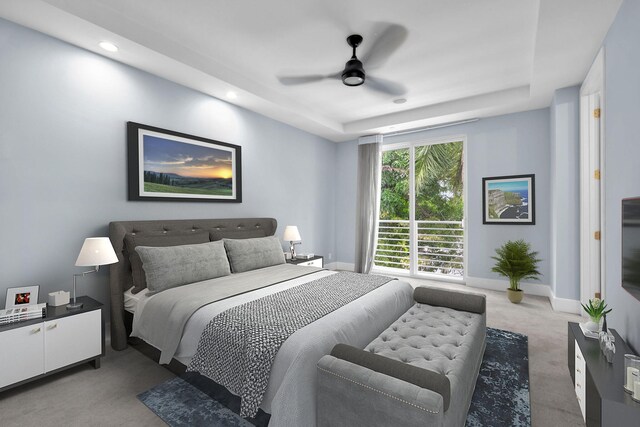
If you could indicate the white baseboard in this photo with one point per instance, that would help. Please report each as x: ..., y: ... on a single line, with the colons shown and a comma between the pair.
x: 345, y: 266
x: 502, y: 285
x: 563, y: 305
x: 331, y: 265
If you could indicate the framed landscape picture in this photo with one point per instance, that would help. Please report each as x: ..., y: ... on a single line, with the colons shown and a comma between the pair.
x: 509, y: 200
x: 172, y: 166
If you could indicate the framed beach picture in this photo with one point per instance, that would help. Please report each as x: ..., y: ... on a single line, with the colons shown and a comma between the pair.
x: 173, y: 166
x: 22, y: 297
x: 509, y: 200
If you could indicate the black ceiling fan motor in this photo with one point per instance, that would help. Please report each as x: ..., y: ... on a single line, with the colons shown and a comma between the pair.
x: 353, y: 74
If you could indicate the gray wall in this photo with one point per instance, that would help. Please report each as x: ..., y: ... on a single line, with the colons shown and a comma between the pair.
x: 565, y: 193
x: 504, y: 145
x: 622, y: 158
x: 63, y: 162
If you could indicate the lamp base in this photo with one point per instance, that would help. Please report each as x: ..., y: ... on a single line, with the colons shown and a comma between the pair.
x: 74, y: 305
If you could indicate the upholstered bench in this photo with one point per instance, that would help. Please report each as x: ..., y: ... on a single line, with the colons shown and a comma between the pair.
x: 421, y: 371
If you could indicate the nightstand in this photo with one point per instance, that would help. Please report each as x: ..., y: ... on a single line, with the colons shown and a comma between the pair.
x: 64, y: 338
x: 316, y: 261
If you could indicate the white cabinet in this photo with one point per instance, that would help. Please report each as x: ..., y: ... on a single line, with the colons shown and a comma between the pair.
x: 581, y: 382
x: 60, y: 340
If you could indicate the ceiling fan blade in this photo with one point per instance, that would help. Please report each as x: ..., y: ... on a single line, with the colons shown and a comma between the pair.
x: 385, y: 86
x: 311, y: 78
x: 298, y: 80
x: 390, y: 38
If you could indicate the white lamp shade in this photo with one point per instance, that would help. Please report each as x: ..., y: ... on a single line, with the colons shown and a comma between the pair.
x: 291, y: 233
x: 96, y: 251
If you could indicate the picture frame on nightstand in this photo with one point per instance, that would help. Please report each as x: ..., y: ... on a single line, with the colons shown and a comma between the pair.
x: 22, y: 296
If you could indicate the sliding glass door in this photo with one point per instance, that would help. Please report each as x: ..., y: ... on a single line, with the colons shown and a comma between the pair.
x: 421, y: 209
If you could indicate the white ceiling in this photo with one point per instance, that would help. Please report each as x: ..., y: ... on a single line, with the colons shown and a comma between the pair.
x: 462, y: 58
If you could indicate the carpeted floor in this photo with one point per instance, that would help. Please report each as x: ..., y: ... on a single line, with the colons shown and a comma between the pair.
x: 501, y: 397
x: 107, y: 396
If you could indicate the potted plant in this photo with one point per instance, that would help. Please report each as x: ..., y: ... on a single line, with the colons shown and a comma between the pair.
x: 517, y: 261
x: 596, y: 309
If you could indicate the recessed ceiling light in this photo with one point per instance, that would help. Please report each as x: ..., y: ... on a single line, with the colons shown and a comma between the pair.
x: 231, y: 95
x: 399, y: 101
x: 108, y: 46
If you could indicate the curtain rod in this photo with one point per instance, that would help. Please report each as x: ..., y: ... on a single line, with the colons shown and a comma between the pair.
x: 444, y: 125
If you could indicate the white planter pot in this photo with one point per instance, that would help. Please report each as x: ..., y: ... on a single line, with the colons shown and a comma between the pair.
x: 591, y: 326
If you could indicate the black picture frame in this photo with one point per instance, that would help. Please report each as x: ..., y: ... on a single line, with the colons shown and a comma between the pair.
x: 169, y: 166
x: 498, y: 191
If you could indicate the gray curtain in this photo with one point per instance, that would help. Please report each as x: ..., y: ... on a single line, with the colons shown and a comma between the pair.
x: 368, y: 204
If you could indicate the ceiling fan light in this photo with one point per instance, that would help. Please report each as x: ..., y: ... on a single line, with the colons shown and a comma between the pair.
x: 353, y: 74
x: 353, y: 79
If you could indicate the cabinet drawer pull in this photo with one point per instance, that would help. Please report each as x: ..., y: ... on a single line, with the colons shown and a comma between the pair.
x: 578, y: 356
x: 36, y: 330
x: 55, y: 325
x: 578, y: 371
x: 579, y: 385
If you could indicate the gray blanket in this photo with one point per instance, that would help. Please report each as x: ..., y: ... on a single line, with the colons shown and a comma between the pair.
x: 166, y: 313
x: 238, y: 346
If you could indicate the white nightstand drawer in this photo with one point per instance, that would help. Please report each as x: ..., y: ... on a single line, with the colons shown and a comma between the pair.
x: 312, y: 263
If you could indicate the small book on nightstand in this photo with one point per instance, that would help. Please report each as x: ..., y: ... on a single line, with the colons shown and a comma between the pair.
x: 11, y: 315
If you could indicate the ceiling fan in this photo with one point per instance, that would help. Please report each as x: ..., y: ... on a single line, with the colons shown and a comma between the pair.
x: 353, y: 74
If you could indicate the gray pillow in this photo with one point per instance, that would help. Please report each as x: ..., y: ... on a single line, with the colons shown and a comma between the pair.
x: 174, y: 266
x: 251, y: 254
x: 236, y: 234
x: 156, y: 240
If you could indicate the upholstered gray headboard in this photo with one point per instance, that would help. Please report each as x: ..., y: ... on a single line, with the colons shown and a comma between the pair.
x: 120, y: 278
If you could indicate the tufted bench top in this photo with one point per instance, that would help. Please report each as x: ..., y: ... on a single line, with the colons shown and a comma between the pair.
x: 435, y: 338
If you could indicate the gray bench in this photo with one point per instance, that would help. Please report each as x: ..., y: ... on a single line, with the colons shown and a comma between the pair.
x: 421, y: 371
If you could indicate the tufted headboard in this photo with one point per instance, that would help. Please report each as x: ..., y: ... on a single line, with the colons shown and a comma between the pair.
x: 120, y: 278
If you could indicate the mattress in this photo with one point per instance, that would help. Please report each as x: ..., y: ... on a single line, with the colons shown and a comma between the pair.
x: 290, y: 395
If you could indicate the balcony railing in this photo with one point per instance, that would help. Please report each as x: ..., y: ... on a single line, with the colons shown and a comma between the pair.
x: 439, y: 246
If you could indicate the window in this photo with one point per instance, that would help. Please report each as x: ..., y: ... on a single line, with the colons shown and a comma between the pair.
x: 420, y: 229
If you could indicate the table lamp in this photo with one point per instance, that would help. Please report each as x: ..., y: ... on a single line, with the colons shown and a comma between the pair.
x: 95, y: 251
x: 292, y: 234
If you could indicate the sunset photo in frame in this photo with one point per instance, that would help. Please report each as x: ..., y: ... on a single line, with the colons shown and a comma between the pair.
x: 509, y: 200
x: 171, y: 166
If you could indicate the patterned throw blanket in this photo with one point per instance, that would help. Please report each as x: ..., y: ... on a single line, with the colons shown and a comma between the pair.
x: 237, y: 347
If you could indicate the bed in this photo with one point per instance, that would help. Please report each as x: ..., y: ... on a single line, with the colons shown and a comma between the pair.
x: 290, y: 393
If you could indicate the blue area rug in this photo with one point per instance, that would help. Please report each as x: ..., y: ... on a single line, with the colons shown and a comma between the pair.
x: 179, y: 403
x: 501, y: 397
